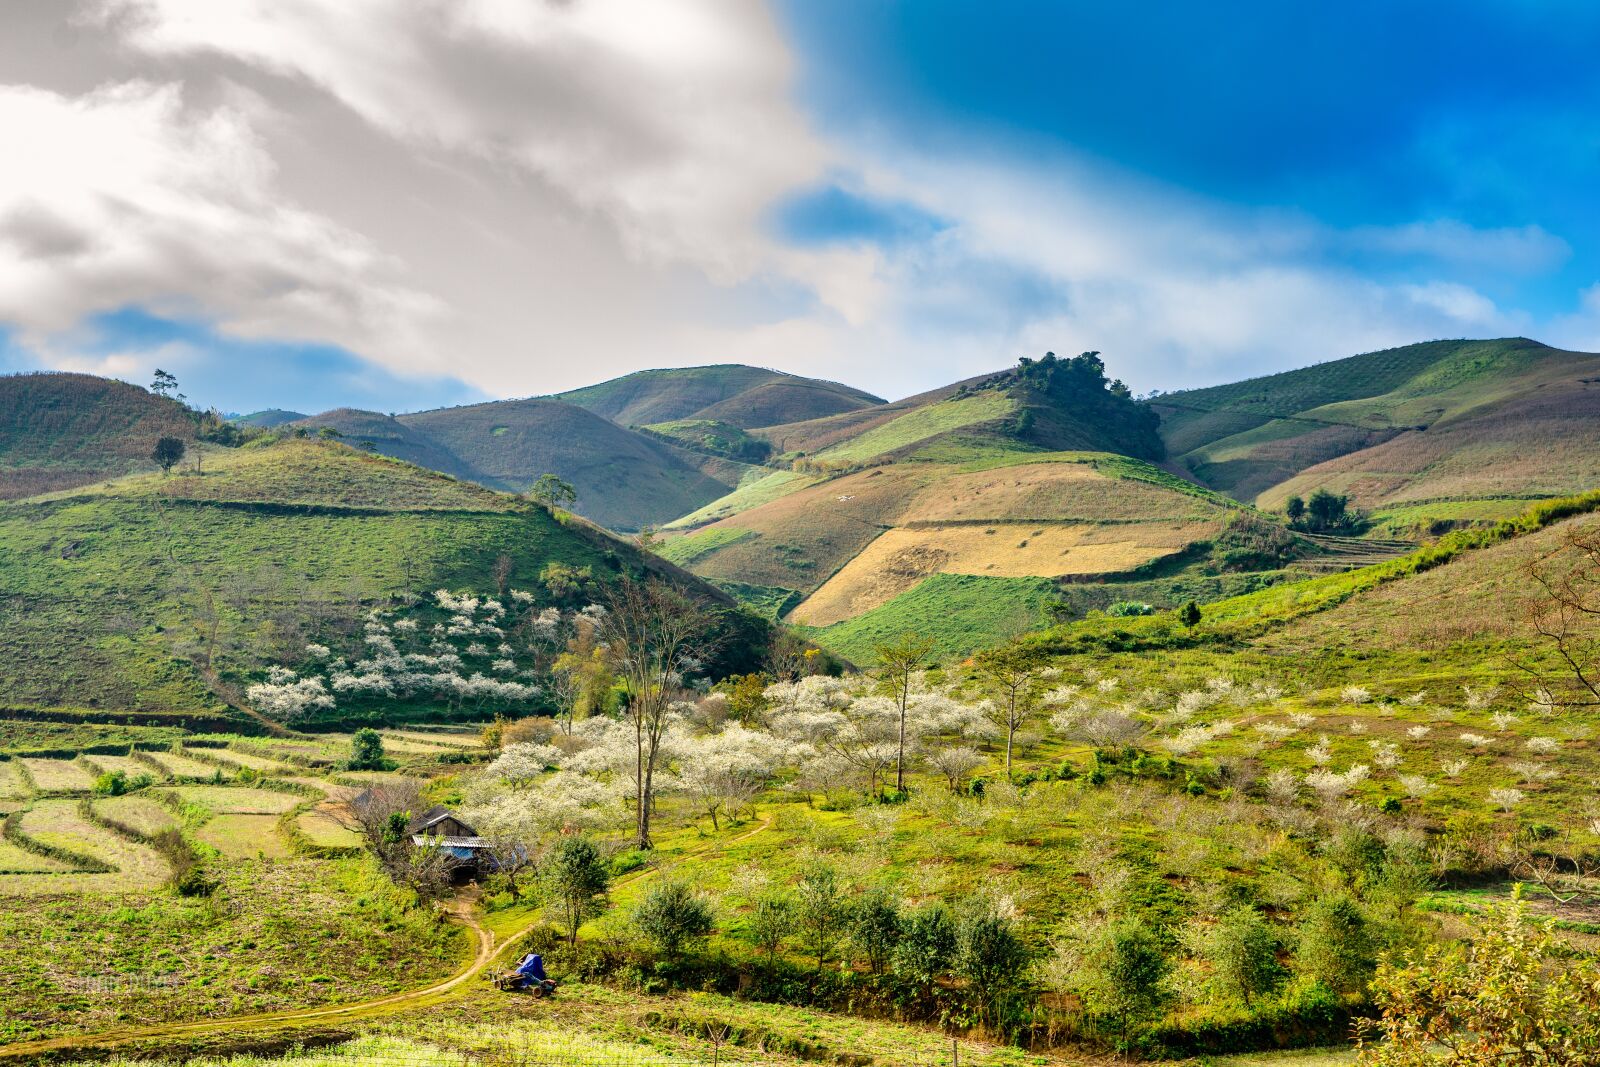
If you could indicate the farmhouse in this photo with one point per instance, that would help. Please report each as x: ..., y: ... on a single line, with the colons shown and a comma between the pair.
x: 442, y: 828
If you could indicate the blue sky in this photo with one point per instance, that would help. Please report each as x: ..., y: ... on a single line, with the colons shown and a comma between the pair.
x: 331, y: 204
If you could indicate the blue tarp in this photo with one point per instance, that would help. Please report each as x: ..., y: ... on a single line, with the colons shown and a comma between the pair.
x: 532, y: 966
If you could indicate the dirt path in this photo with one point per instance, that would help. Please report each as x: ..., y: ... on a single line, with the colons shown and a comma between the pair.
x: 485, y: 952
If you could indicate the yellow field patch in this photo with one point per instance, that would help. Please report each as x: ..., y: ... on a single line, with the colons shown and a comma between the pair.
x: 136, y: 812
x: 899, y: 559
x: 58, y: 774
x: 126, y: 764
x: 1054, y: 491
x: 12, y: 787
x: 183, y: 767
x: 14, y: 860
x: 57, y: 822
x: 245, y: 836
x: 228, y: 801
x: 245, y: 759
x: 322, y: 827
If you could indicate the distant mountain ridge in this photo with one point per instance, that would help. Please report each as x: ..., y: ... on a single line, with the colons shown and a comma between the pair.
x: 746, y: 397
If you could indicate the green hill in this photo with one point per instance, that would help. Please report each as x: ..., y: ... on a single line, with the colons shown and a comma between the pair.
x: 270, y: 418
x: 958, y: 511
x: 110, y: 599
x: 743, y: 396
x: 1432, y: 423
x: 61, y: 430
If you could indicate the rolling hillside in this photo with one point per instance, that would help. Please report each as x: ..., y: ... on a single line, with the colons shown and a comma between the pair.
x: 109, y: 598
x: 745, y: 397
x: 1413, y: 432
x: 58, y: 431
x: 624, y: 479
x: 990, y: 491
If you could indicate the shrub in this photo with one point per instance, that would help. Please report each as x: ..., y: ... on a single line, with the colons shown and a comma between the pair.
x: 772, y: 918
x: 671, y: 916
x: 1125, y: 974
x: 1336, y: 946
x: 111, y: 784
x: 822, y: 910
x: 1243, y: 952
x: 875, y: 927
x: 989, y: 954
x: 366, y: 751
x: 926, y: 946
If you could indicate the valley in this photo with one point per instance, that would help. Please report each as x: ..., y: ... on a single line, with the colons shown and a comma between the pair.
x: 904, y: 742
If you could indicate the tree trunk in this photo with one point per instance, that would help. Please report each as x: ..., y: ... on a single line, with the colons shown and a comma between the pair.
x: 1011, y: 732
x: 900, y: 758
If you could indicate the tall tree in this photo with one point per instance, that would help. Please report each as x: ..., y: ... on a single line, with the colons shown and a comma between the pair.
x: 1008, y: 674
x: 898, y: 664
x: 553, y: 492
x: 576, y: 879
x: 654, y: 636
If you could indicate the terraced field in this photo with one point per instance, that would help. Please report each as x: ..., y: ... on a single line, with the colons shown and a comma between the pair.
x: 12, y: 784
x: 138, y: 813
x: 57, y: 823
x: 245, y: 836
x: 58, y: 775
x: 244, y: 759
x: 128, y: 765
x: 177, y: 766
x: 324, y: 829
x: 226, y: 800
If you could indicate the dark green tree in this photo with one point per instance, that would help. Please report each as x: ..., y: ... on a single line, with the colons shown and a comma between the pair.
x: 366, y: 750
x: 165, y: 384
x: 926, y: 947
x: 167, y: 453
x: 671, y: 916
x: 1243, y: 952
x: 822, y: 910
x: 553, y: 492
x: 1325, y: 510
x: 1295, y: 508
x: 1336, y: 946
x: 989, y: 954
x: 1189, y: 614
x: 875, y: 927
x: 575, y: 880
x: 1126, y: 974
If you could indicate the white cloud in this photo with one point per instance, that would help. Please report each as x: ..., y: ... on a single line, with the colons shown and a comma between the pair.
x: 673, y: 119
x: 123, y: 197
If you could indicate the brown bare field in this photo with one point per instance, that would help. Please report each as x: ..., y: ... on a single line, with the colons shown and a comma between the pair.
x: 58, y: 774
x: 1532, y: 447
x: 1055, y: 492
x: 901, y: 558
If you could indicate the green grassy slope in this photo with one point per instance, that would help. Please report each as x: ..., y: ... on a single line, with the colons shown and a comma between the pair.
x: 1381, y: 424
x: 270, y: 418
x: 732, y: 393
x: 63, y: 430
x: 105, y: 597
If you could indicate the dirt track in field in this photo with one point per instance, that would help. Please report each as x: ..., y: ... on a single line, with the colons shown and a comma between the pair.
x: 487, y: 950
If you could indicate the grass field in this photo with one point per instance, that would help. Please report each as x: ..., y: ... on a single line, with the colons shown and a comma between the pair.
x: 128, y: 765
x: 243, y: 836
x: 325, y: 830
x: 962, y: 613
x: 276, y: 934
x: 920, y: 424
x: 22, y: 736
x: 57, y: 823
x: 241, y: 800
x: 750, y: 493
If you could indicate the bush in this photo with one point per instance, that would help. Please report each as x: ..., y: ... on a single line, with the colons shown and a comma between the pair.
x: 188, y: 877
x: 1125, y: 975
x: 1336, y: 945
x: 111, y: 784
x: 366, y: 751
x: 1243, y: 952
x: 772, y: 918
x: 671, y: 916
x: 875, y: 927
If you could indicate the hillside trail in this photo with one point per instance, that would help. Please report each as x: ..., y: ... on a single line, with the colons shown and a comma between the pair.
x: 486, y: 951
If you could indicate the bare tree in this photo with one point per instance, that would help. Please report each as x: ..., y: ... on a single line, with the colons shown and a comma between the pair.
x: 654, y: 636
x: 1567, y: 616
x: 955, y: 763
x: 382, y: 815
x: 501, y: 572
x: 899, y: 661
x: 1012, y: 684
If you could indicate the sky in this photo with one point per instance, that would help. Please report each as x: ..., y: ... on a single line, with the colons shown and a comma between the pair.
x: 404, y: 204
